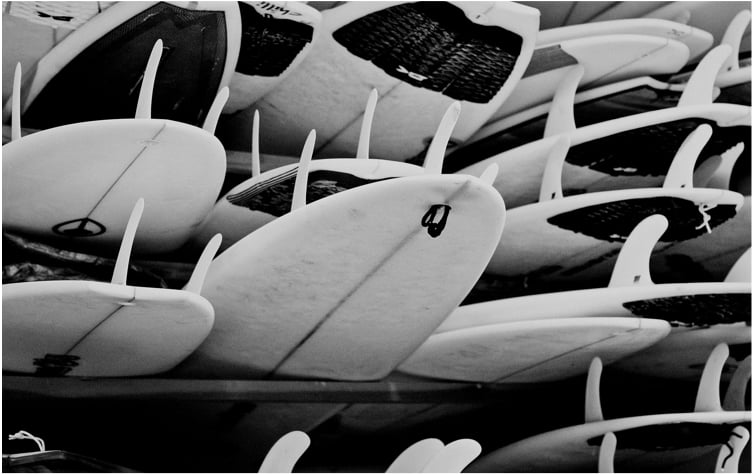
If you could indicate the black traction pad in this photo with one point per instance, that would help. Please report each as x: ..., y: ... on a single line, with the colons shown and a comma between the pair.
x: 614, y: 221
x: 104, y: 80
x: 671, y: 436
x: 695, y: 310
x: 435, y: 46
x: 269, y: 45
x: 649, y: 151
x: 275, y: 195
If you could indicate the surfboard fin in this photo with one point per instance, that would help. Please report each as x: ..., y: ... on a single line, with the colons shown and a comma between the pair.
x: 721, y: 179
x: 212, y: 117
x: 120, y: 274
x: 143, y: 107
x: 489, y: 175
x: 416, y: 456
x: 454, y: 457
x: 285, y: 452
x: 196, y: 282
x: 699, y: 88
x: 606, y: 453
x: 741, y: 271
x: 708, y: 393
x: 255, y: 151
x: 301, y: 179
x: 736, y: 392
x: 682, y: 17
x: 364, y: 141
x: 434, y: 160
x: 706, y: 170
x: 15, y: 111
x: 561, y: 115
x: 633, y: 262
x: 593, y: 410
x: 733, y: 37
x: 731, y: 452
x: 551, y: 180
x: 681, y: 172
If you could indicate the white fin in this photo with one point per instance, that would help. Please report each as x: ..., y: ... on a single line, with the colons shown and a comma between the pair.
x: 606, y: 453
x: 364, y: 142
x: 301, y: 179
x: 255, y: 152
x: 699, y: 88
x: 143, y: 108
x: 593, y: 410
x: 681, y: 171
x: 561, y: 115
x: 733, y: 37
x: 633, y: 262
x: 551, y: 180
x: 731, y: 452
x: 741, y: 272
x: 736, y: 393
x: 416, y: 456
x: 682, y: 17
x: 120, y: 274
x: 196, y: 283
x: 15, y: 111
x: 455, y: 456
x: 212, y: 117
x: 489, y: 175
x: 434, y: 160
x: 706, y: 170
x: 721, y: 179
x: 285, y: 452
x: 708, y: 393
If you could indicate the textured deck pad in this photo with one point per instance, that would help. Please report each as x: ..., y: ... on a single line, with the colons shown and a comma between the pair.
x: 434, y: 46
x: 103, y: 81
x: 695, y: 310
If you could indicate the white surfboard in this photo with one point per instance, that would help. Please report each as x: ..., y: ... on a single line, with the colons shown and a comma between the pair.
x: 266, y: 196
x: 656, y: 441
x: 577, y: 236
x: 77, y: 183
x: 93, y: 329
x: 201, y: 40
x: 531, y: 351
x: 276, y: 36
x: 697, y: 40
x: 473, y: 52
x: 701, y: 315
x: 609, y: 155
x: 604, y: 59
x: 348, y: 286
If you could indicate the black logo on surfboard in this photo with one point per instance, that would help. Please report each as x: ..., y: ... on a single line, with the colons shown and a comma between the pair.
x: 83, y: 227
x: 435, y: 219
x: 55, y: 365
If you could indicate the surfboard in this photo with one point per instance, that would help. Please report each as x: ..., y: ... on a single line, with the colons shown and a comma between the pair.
x: 201, y: 41
x: 32, y: 29
x: 697, y: 41
x: 295, y: 299
x: 265, y: 196
x: 605, y: 156
x: 471, y: 52
x: 93, y: 329
x: 701, y: 315
x: 577, y: 236
x: 656, y: 441
x: 276, y: 36
x: 605, y: 59
x: 76, y: 183
x: 531, y: 351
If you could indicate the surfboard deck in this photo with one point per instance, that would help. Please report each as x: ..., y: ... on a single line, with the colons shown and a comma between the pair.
x: 80, y: 328
x: 76, y: 184
x: 202, y: 40
x: 531, y: 351
x: 356, y: 52
x: 383, y: 283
